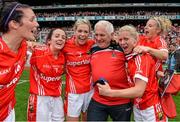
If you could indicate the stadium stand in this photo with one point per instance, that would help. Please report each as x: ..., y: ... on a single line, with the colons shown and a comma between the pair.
x: 63, y: 14
x: 119, y: 14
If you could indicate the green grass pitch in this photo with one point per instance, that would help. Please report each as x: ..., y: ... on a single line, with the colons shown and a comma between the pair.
x: 22, y: 94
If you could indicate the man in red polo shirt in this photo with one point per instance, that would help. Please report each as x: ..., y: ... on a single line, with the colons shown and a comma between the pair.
x: 108, y: 63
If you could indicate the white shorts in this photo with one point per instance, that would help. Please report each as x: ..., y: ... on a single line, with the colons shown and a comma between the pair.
x: 77, y: 103
x: 45, y: 108
x: 151, y: 114
x: 10, y: 117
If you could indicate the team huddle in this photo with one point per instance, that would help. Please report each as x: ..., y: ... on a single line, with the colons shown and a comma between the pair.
x: 104, y: 77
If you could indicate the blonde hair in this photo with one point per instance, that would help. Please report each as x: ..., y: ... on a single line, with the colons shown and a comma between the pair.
x: 82, y: 21
x: 131, y: 29
x: 163, y: 23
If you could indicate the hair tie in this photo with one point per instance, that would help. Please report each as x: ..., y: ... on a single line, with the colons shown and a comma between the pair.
x: 10, y: 14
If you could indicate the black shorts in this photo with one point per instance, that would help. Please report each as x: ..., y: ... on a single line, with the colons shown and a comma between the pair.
x: 100, y: 112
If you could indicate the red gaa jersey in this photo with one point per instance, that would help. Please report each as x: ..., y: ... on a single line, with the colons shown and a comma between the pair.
x: 11, y: 67
x: 78, y: 71
x: 158, y: 43
x: 109, y: 64
x: 46, y: 72
x: 143, y: 67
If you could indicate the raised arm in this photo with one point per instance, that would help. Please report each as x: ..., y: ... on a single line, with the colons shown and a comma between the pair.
x: 159, y: 54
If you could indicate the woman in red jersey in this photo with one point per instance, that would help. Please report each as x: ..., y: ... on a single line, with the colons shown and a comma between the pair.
x: 153, y: 41
x: 142, y: 73
x: 78, y: 71
x: 17, y: 24
x: 47, y: 66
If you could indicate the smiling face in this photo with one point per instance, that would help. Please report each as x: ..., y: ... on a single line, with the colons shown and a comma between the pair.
x: 57, y: 40
x: 126, y: 41
x: 82, y: 32
x: 103, y: 38
x: 151, y: 29
x: 28, y: 25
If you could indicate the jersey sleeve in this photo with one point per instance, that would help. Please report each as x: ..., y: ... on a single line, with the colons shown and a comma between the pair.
x: 161, y: 44
x: 38, y: 51
x: 142, y: 67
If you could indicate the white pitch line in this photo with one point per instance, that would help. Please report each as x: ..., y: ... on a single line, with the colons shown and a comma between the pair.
x: 23, y: 81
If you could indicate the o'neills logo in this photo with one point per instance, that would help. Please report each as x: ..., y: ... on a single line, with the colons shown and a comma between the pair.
x: 13, y: 81
x: 49, y: 79
x: 77, y: 63
x: 16, y: 77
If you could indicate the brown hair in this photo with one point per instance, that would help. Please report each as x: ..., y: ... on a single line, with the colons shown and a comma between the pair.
x: 11, y: 11
x: 49, y: 36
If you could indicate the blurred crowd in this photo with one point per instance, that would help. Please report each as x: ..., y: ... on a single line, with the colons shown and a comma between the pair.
x: 106, y: 13
x: 170, y: 37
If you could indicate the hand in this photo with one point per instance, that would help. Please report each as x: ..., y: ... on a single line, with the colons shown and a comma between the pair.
x: 159, y: 74
x: 141, y: 49
x: 31, y: 44
x: 105, y: 89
